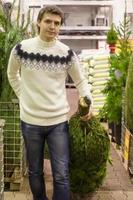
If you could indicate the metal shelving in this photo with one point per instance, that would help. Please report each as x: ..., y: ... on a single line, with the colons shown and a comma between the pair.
x: 79, y: 3
x: 82, y: 37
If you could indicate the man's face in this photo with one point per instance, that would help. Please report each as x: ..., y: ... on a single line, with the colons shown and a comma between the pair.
x: 49, y: 26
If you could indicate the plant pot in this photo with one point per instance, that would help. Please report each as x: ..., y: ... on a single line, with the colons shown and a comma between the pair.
x: 112, y: 48
x: 128, y: 150
x: 131, y: 154
x: 117, y: 133
x: 111, y: 128
x: 112, y: 131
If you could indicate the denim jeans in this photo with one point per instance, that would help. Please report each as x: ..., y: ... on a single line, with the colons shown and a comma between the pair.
x: 57, y: 139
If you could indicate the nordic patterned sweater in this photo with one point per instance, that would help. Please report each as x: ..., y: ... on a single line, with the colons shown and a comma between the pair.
x: 37, y: 71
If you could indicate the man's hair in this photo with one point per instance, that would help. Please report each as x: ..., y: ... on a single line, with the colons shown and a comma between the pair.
x: 52, y: 10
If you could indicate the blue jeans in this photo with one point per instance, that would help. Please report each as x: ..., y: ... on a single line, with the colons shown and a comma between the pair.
x: 57, y: 139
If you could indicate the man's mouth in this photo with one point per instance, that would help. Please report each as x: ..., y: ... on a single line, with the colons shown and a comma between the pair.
x: 51, y: 32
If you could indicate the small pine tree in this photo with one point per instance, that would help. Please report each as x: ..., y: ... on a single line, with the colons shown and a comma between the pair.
x: 89, y: 153
x: 129, y: 98
x: 112, y: 109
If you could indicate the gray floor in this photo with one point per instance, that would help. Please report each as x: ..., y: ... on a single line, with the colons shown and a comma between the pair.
x: 116, y: 186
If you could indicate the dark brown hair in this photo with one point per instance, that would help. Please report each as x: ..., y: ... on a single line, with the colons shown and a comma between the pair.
x: 52, y: 10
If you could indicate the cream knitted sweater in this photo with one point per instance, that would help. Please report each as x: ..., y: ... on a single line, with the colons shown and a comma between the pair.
x: 37, y: 71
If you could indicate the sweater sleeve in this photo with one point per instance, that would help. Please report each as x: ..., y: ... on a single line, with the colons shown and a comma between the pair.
x: 79, y: 79
x: 13, y: 73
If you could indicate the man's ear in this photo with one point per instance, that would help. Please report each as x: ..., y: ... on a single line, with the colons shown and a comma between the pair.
x: 38, y: 23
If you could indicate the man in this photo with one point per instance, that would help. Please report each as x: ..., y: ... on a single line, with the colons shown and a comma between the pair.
x: 37, y: 71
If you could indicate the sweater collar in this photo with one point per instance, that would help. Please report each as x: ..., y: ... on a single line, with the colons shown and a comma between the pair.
x: 44, y: 43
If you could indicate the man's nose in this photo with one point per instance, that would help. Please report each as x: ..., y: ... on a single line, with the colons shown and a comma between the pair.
x: 52, y: 25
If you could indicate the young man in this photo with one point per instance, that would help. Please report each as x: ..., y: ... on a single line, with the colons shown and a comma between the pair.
x: 37, y: 71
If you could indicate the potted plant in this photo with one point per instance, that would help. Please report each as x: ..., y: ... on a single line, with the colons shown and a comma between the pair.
x: 112, y: 38
x: 112, y: 109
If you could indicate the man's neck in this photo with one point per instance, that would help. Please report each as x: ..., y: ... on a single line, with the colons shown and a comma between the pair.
x: 46, y: 39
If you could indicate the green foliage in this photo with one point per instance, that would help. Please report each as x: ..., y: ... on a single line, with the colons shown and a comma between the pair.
x: 124, y: 46
x: 11, y: 32
x: 129, y: 98
x: 112, y: 35
x: 112, y: 109
x: 89, y: 152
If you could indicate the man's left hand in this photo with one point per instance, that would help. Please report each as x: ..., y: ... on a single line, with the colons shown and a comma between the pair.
x: 86, y: 117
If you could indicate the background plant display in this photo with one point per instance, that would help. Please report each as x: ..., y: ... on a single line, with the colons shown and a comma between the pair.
x: 129, y: 98
x: 11, y: 32
x: 89, y: 150
x: 112, y: 107
x: 119, y: 62
x: 129, y: 112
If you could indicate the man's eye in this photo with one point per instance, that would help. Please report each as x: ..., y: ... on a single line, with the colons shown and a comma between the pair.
x: 57, y: 23
x: 50, y: 22
x: 47, y: 21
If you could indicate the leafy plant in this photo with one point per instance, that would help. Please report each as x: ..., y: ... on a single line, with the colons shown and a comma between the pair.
x: 11, y: 33
x: 89, y: 152
x: 129, y: 98
x: 112, y: 109
x: 112, y: 35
